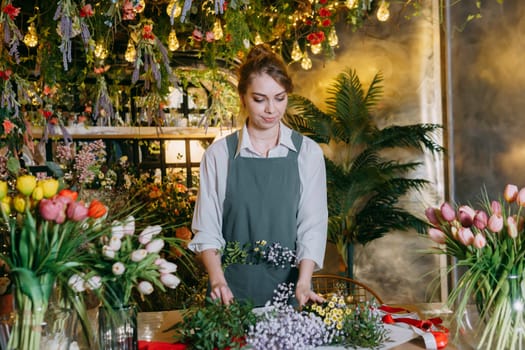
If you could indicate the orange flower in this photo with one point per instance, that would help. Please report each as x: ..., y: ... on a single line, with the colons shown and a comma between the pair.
x: 96, y: 209
x: 183, y: 233
x: 8, y: 126
x: 73, y: 195
x: 86, y: 11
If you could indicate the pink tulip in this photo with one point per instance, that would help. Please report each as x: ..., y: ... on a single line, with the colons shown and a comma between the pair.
x: 145, y: 288
x: 479, y: 241
x: 77, y: 211
x: 50, y: 209
x: 160, y: 261
x: 496, y: 207
x: 466, y: 215
x: 510, y: 193
x: 495, y: 223
x: 481, y: 219
x: 437, y: 235
x: 155, y: 246
x: 512, y: 227
x: 447, y: 212
x: 430, y: 213
x: 76, y: 282
x: 465, y: 236
x: 520, y: 199
x: 169, y: 280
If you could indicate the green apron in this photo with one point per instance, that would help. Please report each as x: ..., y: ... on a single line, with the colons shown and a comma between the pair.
x: 261, y: 203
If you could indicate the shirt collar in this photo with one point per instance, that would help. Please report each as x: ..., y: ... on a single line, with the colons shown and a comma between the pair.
x: 285, y: 138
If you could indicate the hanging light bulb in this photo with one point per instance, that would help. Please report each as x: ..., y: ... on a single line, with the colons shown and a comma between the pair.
x: 217, y: 30
x: 173, y: 8
x: 31, y: 38
x: 173, y: 42
x: 316, y: 48
x: 258, y: 40
x: 351, y: 4
x: 383, y: 13
x: 131, y: 53
x: 333, y: 40
x: 101, y: 51
x: 306, y: 62
x: 140, y: 6
x: 297, y: 54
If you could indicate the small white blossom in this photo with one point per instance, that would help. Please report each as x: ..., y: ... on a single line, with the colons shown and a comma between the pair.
x: 138, y: 255
x: 145, y: 287
x: 118, y: 268
x: 169, y: 280
x: 155, y: 246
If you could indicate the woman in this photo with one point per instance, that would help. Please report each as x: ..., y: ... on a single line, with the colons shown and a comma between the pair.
x: 264, y: 182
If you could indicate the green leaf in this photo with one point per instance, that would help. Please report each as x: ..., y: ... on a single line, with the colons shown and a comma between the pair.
x: 29, y: 283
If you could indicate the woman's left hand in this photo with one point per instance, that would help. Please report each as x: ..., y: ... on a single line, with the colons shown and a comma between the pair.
x: 303, y: 294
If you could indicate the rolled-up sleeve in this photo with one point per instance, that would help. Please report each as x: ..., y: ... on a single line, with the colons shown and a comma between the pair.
x: 207, y: 217
x: 312, y: 217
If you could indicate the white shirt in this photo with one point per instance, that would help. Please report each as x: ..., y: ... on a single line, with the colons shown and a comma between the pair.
x: 312, y: 217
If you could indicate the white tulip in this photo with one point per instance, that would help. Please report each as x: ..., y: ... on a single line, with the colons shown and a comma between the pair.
x: 115, y: 243
x: 76, y: 282
x: 148, y: 233
x: 155, y: 246
x: 145, y: 288
x: 167, y: 267
x: 94, y: 282
x: 138, y: 255
x: 169, y: 280
x: 108, y: 252
x: 118, y: 268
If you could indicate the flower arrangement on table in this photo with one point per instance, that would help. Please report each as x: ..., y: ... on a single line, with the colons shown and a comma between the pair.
x: 46, y: 230
x: 280, y: 325
x: 489, y: 244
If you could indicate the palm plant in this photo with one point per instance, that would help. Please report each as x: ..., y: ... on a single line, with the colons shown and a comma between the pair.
x: 364, y: 185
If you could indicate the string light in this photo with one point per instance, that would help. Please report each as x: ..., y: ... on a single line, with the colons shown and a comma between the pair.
x: 31, y: 38
x: 333, y: 40
x: 258, y: 40
x: 297, y: 54
x: 217, y: 30
x: 383, y: 13
x: 173, y: 42
x: 101, y: 51
x: 131, y: 53
x: 316, y: 48
x: 173, y: 8
x: 306, y: 62
x: 351, y: 4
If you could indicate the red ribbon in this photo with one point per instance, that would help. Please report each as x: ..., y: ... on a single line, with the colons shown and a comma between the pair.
x: 432, y: 325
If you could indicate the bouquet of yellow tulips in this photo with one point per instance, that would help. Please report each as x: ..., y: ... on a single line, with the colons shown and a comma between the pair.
x: 47, y: 229
x: 488, y: 244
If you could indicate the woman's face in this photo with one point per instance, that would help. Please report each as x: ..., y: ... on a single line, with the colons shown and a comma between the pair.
x: 265, y: 102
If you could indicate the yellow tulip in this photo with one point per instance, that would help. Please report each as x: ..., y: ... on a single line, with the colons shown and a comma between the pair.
x: 26, y: 184
x: 38, y: 193
x: 50, y: 187
x: 19, y: 203
x: 3, y: 189
x: 6, y: 205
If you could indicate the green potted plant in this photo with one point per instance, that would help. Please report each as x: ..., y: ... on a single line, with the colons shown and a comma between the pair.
x: 364, y: 185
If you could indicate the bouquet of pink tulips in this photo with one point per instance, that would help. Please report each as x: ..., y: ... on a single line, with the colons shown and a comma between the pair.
x: 489, y: 244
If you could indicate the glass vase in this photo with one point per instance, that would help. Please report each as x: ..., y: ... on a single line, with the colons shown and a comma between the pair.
x: 117, y: 328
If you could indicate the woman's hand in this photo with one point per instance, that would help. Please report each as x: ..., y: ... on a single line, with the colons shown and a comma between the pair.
x: 221, y: 291
x: 303, y: 294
